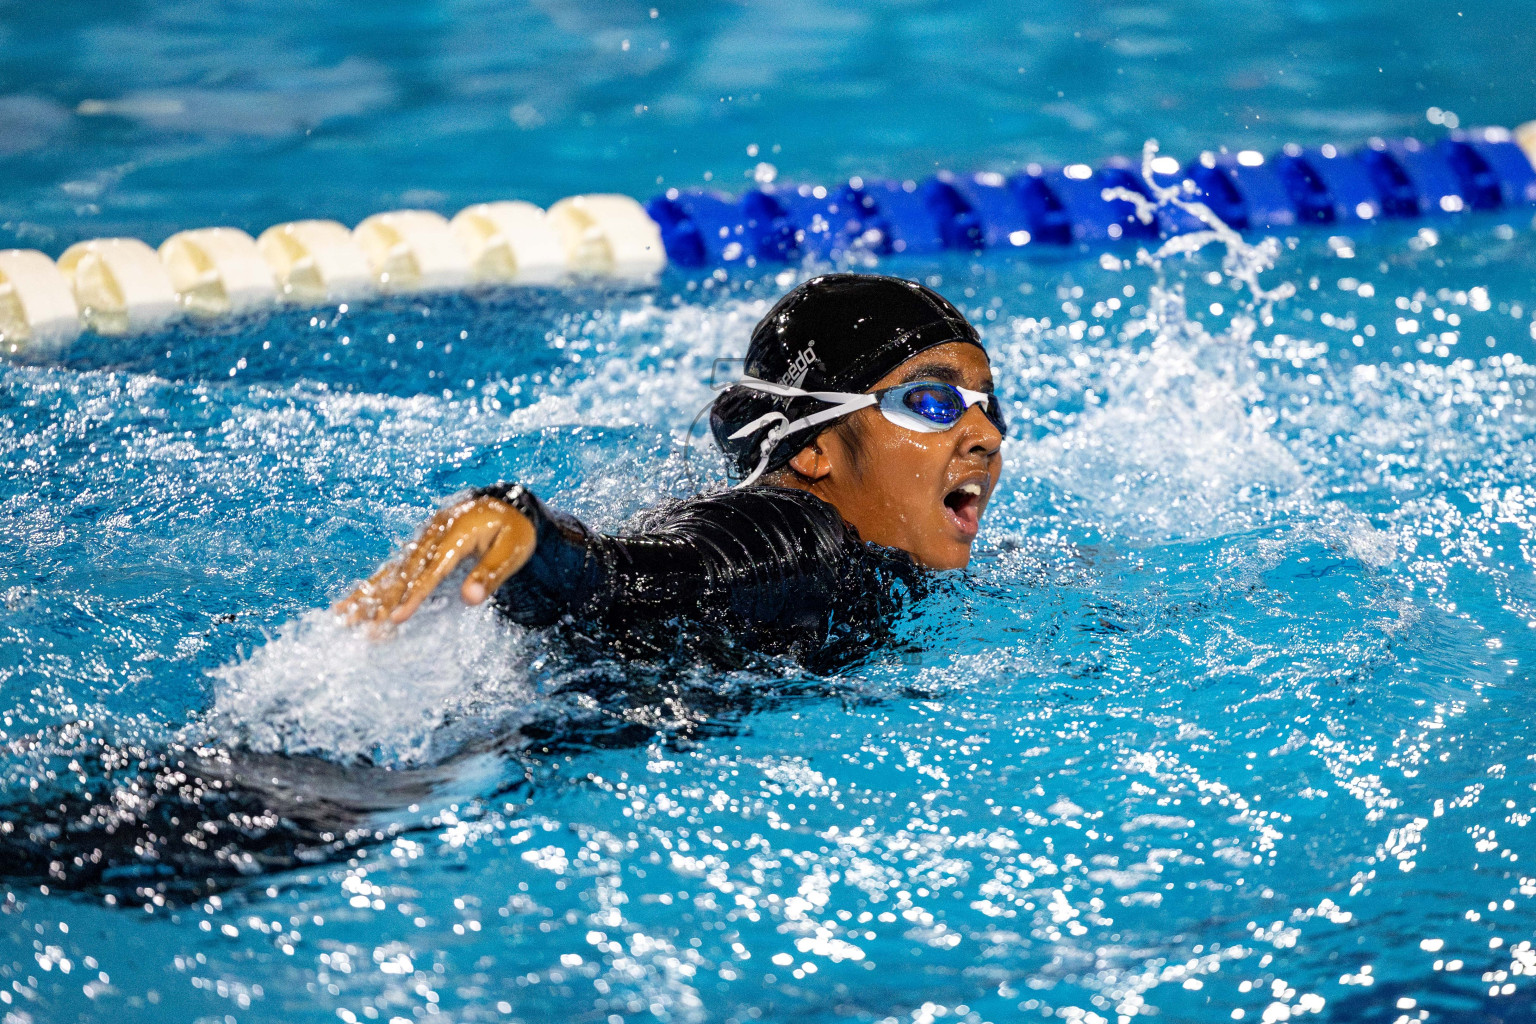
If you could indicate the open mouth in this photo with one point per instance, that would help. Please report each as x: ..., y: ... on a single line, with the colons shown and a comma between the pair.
x: 964, y: 507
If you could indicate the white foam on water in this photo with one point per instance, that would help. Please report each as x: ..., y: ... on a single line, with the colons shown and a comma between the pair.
x: 325, y: 689
x: 1177, y: 443
x: 671, y: 380
x: 1373, y: 548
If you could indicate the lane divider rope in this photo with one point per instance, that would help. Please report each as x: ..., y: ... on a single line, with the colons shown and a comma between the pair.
x: 122, y: 286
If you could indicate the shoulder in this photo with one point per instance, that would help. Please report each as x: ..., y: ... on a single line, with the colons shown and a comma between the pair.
x: 765, y: 503
x: 765, y: 496
x: 763, y: 520
x: 782, y: 521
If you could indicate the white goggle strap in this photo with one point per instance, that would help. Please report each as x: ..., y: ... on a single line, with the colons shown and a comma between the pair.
x: 845, y: 404
x: 785, y: 391
x: 973, y: 397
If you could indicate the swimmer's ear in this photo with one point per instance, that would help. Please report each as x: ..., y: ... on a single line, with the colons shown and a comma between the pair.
x: 811, y: 462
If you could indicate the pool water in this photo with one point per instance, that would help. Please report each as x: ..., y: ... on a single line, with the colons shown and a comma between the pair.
x: 1229, y: 720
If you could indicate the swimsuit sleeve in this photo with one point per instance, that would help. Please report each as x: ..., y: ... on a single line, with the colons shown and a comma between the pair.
x: 772, y: 565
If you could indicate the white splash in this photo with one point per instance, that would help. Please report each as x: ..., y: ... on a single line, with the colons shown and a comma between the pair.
x: 325, y: 689
x: 1176, y: 441
x: 1243, y: 262
x: 1174, y: 449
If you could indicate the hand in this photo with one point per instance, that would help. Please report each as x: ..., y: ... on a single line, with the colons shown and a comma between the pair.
x: 500, y: 535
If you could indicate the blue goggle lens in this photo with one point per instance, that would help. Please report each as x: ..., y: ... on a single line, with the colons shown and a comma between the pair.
x: 939, y: 405
x: 930, y: 405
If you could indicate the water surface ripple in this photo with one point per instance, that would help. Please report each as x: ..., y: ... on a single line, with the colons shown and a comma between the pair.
x: 1230, y: 719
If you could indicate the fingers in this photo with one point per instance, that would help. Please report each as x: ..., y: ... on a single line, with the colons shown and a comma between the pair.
x: 508, y: 552
x: 379, y: 593
x: 364, y: 602
x: 499, y: 536
x: 465, y: 539
x: 376, y: 597
x: 420, y: 553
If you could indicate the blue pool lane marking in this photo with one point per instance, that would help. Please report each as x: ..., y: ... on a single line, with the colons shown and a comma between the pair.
x: 1064, y: 206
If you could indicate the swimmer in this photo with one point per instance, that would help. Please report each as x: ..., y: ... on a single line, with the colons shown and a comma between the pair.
x: 867, y: 441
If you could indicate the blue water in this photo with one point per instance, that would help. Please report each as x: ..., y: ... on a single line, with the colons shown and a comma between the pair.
x: 1230, y: 720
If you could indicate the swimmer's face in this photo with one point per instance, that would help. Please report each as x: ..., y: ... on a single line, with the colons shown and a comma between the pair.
x: 923, y: 493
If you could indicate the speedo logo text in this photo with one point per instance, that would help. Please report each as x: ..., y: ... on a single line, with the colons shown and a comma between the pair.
x: 800, y: 365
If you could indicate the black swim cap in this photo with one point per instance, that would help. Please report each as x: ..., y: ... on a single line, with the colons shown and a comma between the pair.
x: 837, y: 332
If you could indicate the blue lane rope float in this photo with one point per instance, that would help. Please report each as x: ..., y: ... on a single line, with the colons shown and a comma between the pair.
x: 1484, y: 169
x: 121, y: 286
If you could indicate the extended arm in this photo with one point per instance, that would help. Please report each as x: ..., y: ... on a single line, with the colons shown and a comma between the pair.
x: 760, y: 558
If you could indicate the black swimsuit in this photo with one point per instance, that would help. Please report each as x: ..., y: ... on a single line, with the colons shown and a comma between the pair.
x: 720, y: 579
x: 766, y: 569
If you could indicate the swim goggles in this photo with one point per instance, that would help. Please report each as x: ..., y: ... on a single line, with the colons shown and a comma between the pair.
x: 925, y: 406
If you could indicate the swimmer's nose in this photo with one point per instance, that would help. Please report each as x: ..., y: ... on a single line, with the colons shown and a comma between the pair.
x: 980, y: 434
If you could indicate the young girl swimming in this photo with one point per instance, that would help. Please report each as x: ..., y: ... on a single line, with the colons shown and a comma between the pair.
x: 867, y: 439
